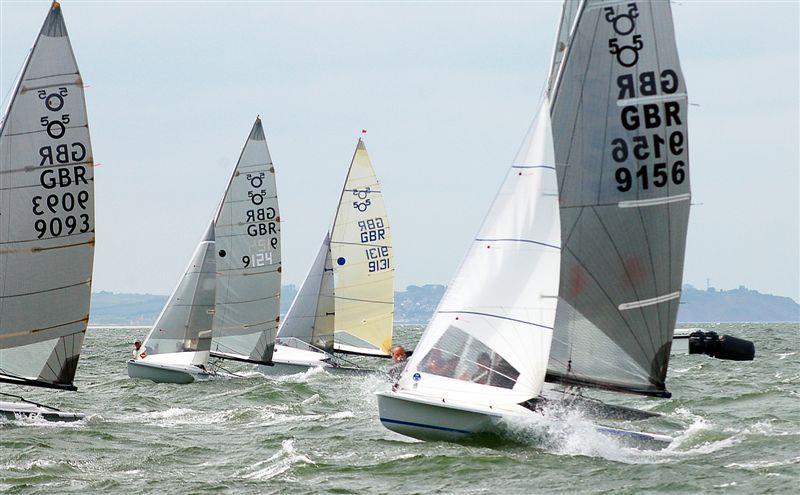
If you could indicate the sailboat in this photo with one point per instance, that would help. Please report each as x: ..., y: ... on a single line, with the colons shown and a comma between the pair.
x: 227, y: 304
x: 47, y: 231
x: 616, y: 104
x: 346, y: 303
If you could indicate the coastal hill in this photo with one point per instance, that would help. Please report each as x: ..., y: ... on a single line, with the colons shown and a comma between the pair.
x: 416, y: 304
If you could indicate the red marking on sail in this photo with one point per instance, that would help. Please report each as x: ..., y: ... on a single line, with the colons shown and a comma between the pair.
x: 577, y: 281
x: 363, y: 131
x: 634, y: 272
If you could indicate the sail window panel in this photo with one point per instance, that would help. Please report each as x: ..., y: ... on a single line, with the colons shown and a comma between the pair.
x: 463, y: 357
x: 26, y: 360
x: 58, y: 313
x: 580, y: 351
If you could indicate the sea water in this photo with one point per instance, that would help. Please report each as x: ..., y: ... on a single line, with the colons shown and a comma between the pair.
x: 737, y: 429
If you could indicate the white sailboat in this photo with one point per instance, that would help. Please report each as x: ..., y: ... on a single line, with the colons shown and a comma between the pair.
x: 617, y: 109
x: 346, y: 303
x: 46, y: 223
x: 227, y: 304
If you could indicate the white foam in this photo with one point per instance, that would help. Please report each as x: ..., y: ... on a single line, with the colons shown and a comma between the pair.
x: 279, y: 463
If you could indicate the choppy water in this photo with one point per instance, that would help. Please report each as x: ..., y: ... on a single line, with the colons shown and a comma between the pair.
x: 737, y: 428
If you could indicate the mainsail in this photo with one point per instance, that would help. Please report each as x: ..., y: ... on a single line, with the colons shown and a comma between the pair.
x: 490, y: 337
x: 247, y: 232
x: 346, y: 302
x: 46, y: 216
x: 619, y: 116
x: 227, y: 302
x: 361, y: 251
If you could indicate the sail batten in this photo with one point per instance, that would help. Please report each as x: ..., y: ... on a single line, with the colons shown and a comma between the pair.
x: 46, y: 215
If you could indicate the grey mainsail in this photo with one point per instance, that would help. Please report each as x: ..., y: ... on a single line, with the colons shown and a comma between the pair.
x: 247, y: 229
x: 46, y: 216
x: 619, y: 116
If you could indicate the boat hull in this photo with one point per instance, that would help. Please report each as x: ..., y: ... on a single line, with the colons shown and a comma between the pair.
x: 429, y: 421
x: 424, y: 418
x: 162, y: 373
x: 17, y: 410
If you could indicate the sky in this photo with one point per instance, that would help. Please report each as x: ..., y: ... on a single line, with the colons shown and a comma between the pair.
x: 446, y: 92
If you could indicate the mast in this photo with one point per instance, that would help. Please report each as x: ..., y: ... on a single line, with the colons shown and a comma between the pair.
x: 619, y: 117
x: 46, y: 216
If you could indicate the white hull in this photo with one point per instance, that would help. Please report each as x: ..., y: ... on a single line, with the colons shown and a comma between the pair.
x: 171, y: 373
x: 427, y: 418
x: 17, y: 410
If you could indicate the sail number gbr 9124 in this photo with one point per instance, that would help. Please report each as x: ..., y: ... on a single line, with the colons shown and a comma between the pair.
x: 650, y: 109
x: 61, y: 209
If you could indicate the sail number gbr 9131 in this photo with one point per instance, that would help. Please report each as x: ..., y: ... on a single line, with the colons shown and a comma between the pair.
x: 63, y: 207
x: 650, y: 110
x: 373, y: 230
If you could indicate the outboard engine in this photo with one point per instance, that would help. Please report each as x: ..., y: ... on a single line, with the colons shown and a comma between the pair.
x: 721, y: 346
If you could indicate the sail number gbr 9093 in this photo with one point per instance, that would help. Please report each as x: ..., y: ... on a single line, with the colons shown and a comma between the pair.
x: 60, y: 212
x: 648, y: 109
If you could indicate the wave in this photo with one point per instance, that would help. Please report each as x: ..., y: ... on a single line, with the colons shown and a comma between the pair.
x: 279, y: 463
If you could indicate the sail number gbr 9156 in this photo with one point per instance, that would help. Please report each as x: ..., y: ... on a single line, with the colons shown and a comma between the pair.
x: 63, y: 207
x: 650, y: 103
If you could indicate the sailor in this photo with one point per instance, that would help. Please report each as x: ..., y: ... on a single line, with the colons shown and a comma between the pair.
x: 399, y: 360
x: 137, y: 346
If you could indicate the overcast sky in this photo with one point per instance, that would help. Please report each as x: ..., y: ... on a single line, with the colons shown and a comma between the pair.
x: 446, y: 91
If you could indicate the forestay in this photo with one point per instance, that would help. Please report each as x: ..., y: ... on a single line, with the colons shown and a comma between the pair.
x: 490, y: 337
x: 361, y: 251
x: 619, y: 117
x: 311, y: 315
x: 46, y: 215
x: 247, y: 232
